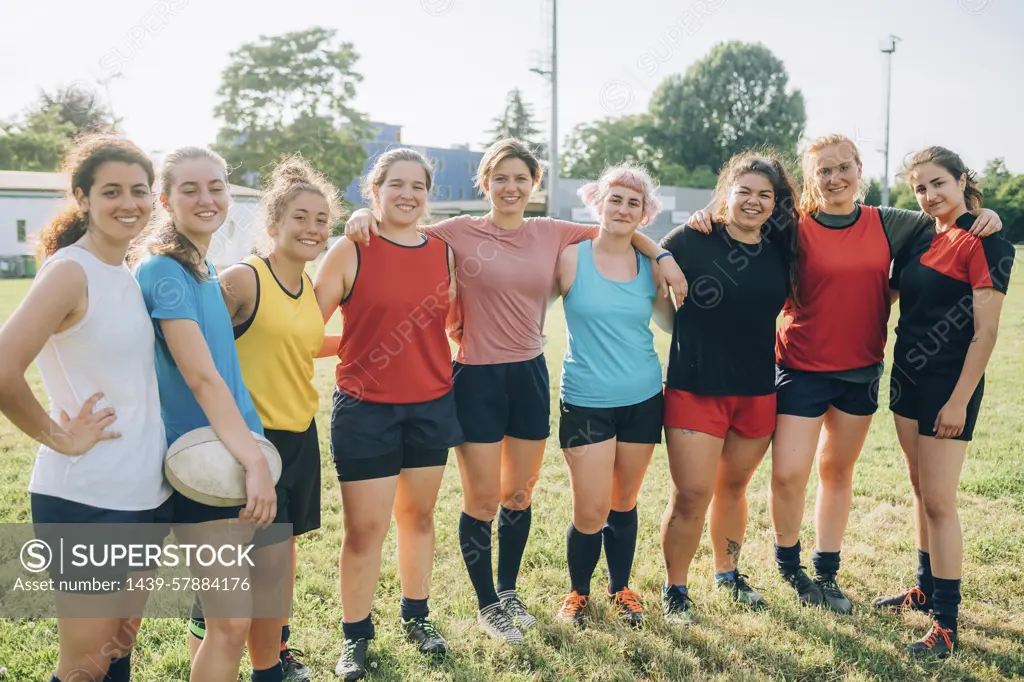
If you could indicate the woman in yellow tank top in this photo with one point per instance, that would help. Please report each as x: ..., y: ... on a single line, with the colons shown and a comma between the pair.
x: 278, y: 333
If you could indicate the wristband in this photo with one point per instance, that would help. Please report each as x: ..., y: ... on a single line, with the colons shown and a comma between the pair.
x: 658, y: 259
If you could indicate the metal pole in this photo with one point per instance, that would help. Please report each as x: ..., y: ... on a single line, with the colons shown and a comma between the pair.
x: 553, y: 146
x: 888, y: 47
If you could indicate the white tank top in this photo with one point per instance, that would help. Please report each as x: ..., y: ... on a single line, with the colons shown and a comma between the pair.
x: 110, y: 350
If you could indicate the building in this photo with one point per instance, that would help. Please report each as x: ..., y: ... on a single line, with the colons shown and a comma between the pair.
x: 28, y: 200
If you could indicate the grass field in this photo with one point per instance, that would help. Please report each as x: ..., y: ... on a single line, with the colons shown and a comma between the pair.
x: 785, y: 642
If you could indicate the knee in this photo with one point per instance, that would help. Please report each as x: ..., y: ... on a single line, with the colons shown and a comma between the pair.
x: 416, y: 521
x: 365, y: 536
x: 939, y: 508
x: 835, y: 474
x: 589, y: 520
x: 519, y: 498
x: 788, y: 483
x: 690, y: 503
x: 623, y: 502
x: 230, y: 632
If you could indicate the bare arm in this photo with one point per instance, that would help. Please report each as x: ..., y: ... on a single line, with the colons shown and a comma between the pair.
x: 57, y: 299
x: 668, y: 275
x: 332, y: 342
x: 336, y: 276
x: 565, y: 272
x: 664, y: 312
x: 988, y: 304
x: 238, y: 286
x: 191, y: 354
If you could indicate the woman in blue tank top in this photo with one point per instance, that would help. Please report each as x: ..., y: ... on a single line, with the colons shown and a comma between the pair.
x: 611, y: 401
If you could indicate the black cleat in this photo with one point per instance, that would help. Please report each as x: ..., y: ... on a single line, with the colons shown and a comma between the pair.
x: 937, y: 644
x: 352, y: 664
x: 573, y: 608
x: 808, y: 591
x: 913, y: 599
x: 677, y: 607
x: 292, y: 667
x: 833, y: 597
x: 422, y: 633
x: 742, y: 591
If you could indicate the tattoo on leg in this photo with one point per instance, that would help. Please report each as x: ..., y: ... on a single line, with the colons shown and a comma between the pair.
x: 732, y: 548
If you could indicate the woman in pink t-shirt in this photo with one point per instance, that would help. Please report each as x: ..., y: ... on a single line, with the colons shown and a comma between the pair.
x: 505, y: 267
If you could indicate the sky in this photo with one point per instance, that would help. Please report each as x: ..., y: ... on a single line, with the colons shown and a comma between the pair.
x: 442, y: 68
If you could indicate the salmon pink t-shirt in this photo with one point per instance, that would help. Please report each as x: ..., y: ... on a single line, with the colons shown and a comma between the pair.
x: 505, y: 279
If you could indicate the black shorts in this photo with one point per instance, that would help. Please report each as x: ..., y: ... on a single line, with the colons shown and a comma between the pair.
x: 922, y: 395
x: 809, y: 394
x: 639, y: 423
x: 153, y: 525
x: 375, y: 440
x: 505, y: 399
x: 298, y: 489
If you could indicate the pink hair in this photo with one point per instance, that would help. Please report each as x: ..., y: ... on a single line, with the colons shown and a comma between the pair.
x: 628, y: 176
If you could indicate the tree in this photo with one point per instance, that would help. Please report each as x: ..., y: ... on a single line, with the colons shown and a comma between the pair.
x: 35, y: 143
x: 79, y: 106
x: 592, y: 147
x: 292, y: 93
x: 517, y: 121
x: 734, y: 98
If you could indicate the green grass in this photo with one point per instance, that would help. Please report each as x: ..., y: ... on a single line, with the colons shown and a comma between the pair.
x: 783, y: 643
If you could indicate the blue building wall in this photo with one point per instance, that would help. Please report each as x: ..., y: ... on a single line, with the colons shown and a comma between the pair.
x: 453, y: 168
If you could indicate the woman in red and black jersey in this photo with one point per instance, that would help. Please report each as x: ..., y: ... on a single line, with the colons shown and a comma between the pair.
x: 829, y: 352
x: 393, y: 419
x: 951, y: 286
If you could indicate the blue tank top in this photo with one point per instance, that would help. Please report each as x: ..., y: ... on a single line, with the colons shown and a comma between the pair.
x: 610, y: 359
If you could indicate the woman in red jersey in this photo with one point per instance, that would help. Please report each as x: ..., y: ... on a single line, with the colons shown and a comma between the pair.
x: 952, y: 285
x: 507, y: 273
x: 394, y: 416
x: 829, y: 351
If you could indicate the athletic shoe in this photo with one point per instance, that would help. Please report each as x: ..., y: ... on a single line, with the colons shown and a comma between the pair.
x: 630, y: 608
x: 742, y: 592
x: 808, y: 591
x: 832, y: 596
x: 292, y: 667
x: 938, y: 643
x: 572, y: 609
x: 677, y: 607
x: 498, y: 624
x: 516, y: 610
x: 352, y: 664
x: 422, y: 633
x: 907, y: 600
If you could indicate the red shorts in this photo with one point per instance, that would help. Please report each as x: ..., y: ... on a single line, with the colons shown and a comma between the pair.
x: 751, y: 416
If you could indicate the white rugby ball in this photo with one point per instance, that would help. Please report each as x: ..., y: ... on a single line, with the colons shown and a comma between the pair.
x: 199, y: 467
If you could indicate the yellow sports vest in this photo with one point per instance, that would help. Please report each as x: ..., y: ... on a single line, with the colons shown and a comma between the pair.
x: 276, y: 347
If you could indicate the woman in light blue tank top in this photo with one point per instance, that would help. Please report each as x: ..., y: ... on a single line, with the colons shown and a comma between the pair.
x: 611, y: 405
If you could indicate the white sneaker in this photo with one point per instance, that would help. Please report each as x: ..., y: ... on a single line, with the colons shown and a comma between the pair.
x: 516, y: 610
x: 496, y: 623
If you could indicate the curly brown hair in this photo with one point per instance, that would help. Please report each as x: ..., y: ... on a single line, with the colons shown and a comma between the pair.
x: 291, y: 177
x: 82, y: 163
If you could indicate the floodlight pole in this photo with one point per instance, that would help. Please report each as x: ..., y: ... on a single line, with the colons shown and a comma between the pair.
x: 888, y: 46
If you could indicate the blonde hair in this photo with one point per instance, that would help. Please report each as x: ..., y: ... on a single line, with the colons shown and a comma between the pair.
x: 508, y: 148
x: 811, y: 199
x: 292, y: 176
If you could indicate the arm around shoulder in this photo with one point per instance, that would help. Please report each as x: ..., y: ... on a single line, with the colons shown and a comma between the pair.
x: 335, y: 276
x: 239, y: 286
x: 565, y: 270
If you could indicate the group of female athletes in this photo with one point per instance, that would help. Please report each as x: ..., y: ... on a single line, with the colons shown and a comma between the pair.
x: 139, y: 340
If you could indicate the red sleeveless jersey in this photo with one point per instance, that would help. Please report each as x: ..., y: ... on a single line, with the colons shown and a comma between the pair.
x: 840, y: 323
x: 394, y: 348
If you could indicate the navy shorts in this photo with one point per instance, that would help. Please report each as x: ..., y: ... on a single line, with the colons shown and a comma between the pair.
x: 922, y: 395
x: 638, y: 423
x: 298, y: 489
x: 376, y: 440
x: 809, y: 394
x: 153, y: 526
x: 505, y: 399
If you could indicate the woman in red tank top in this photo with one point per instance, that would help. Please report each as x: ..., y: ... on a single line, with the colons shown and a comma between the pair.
x: 829, y: 352
x: 393, y: 419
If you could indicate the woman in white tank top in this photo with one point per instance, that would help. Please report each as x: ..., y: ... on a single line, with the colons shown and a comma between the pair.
x: 84, y: 321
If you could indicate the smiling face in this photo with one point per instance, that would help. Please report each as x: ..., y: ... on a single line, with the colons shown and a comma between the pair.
x: 836, y: 175
x: 198, y: 197
x: 402, y: 196
x: 509, y: 186
x: 938, y: 193
x: 751, y: 202
x: 119, y: 202
x: 621, y: 211
x: 301, y: 231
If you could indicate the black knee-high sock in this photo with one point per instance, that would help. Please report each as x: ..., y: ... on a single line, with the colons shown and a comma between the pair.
x: 120, y: 670
x: 788, y: 558
x: 475, y: 541
x: 513, y: 531
x: 924, y: 574
x: 583, y: 552
x: 619, y: 547
x: 946, y: 602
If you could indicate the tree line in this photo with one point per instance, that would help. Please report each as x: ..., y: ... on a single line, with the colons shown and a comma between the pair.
x: 294, y: 93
